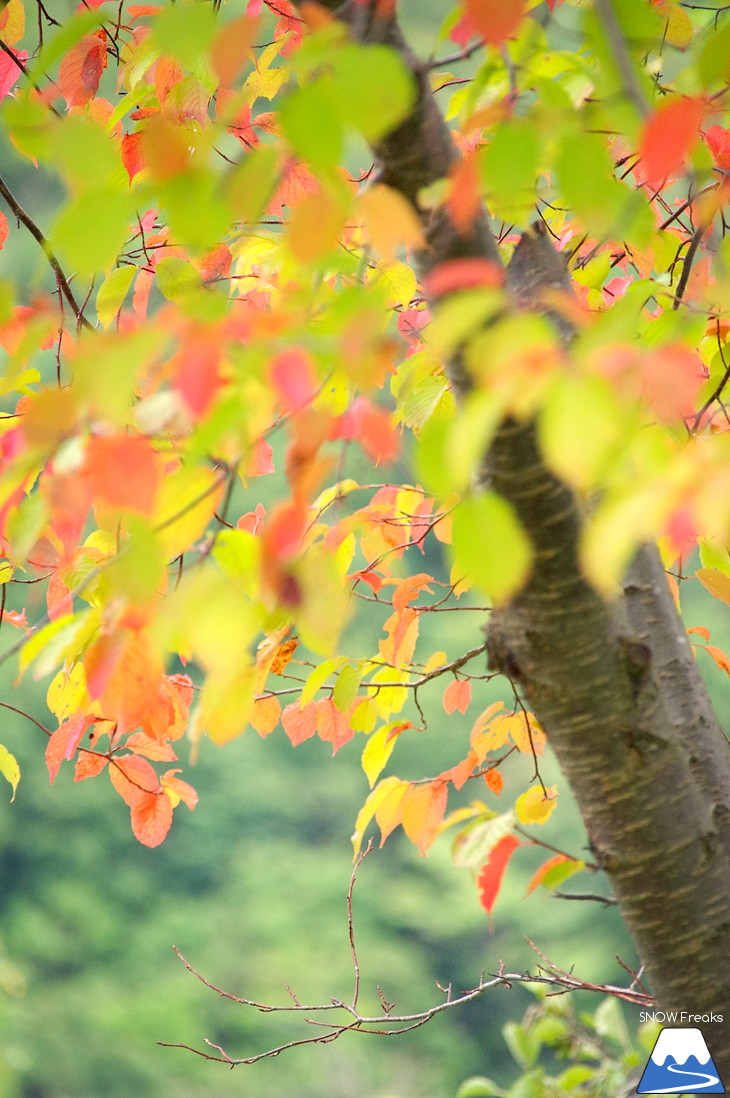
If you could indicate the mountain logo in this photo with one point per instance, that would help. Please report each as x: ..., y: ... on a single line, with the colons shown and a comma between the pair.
x: 680, y: 1063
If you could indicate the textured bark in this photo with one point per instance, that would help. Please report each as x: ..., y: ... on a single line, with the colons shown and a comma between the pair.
x: 614, y: 685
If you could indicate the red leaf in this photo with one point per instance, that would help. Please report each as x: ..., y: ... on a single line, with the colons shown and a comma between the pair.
x: 717, y: 139
x: 64, y: 741
x: 285, y: 530
x: 461, y: 274
x: 3, y: 227
x: 457, y: 695
x: 260, y: 459
x: 151, y: 818
x: 9, y: 71
x: 372, y: 427
x: 131, y: 149
x: 197, y: 374
x: 293, y: 376
x: 668, y: 137
x: 491, y: 873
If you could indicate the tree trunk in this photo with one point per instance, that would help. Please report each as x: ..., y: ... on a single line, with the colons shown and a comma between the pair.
x: 614, y: 685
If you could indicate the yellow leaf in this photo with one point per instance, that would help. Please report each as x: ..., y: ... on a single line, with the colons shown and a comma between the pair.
x: 67, y: 692
x: 184, y: 507
x: 375, y: 800
x: 9, y: 769
x: 716, y: 582
x: 534, y: 806
x: 227, y: 703
x: 392, y: 220
x: 379, y: 749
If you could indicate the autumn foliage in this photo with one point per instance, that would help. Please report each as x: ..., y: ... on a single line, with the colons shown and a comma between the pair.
x: 207, y: 415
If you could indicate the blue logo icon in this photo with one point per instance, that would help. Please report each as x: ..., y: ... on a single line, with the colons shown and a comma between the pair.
x: 680, y: 1064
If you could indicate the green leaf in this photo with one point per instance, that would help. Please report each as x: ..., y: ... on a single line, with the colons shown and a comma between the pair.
x: 310, y: 122
x: 347, y: 686
x: 251, y: 183
x: 491, y: 547
x: 177, y: 279
x: 112, y: 293
x: 91, y: 229
x: 9, y: 769
x: 374, y: 90
x: 478, y: 1087
x: 319, y: 676
x: 509, y: 171
x: 185, y: 31
x: 587, y: 181
x: 520, y: 1043
x: 85, y: 155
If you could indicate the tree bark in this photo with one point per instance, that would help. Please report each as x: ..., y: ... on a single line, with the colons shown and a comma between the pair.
x: 614, y: 685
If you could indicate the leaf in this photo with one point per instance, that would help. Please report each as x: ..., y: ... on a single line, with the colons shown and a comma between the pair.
x: 299, y: 721
x: 81, y: 69
x: 133, y: 778
x: 151, y: 818
x: 490, y: 545
x: 89, y: 764
x: 716, y: 582
x: 457, y: 695
x: 494, y: 22
x: 112, y: 293
x: 388, y: 794
x: 392, y: 222
x: 668, y: 136
x: 124, y: 472
x: 536, y: 805
x: 423, y: 811
x: 554, y: 871
x: 347, y: 685
x: 373, y: 89
x: 293, y: 376
x: 332, y: 725
x: 178, y: 790
x: 475, y: 843
x: 64, y: 741
x: 380, y: 747
x: 720, y: 658
x: 265, y: 715
x: 490, y: 876
x: 9, y: 769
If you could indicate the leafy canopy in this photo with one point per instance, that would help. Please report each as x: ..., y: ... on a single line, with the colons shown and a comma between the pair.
x: 207, y: 415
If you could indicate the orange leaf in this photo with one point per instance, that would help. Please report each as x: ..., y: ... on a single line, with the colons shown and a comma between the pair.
x: 668, y: 136
x: 88, y: 765
x: 265, y: 715
x: 299, y: 721
x: 151, y: 818
x: 231, y: 48
x: 123, y: 472
x: 284, y: 653
x: 142, y: 744
x: 494, y: 780
x: 132, y: 777
x: 458, y: 775
x: 178, y: 790
x: 719, y: 657
x: 64, y: 741
x: 496, y: 19
x: 332, y: 725
x: 423, y: 811
x: 491, y: 873
x: 80, y: 70
x: 457, y: 695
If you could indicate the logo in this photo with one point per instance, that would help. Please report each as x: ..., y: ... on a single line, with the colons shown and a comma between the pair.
x: 680, y: 1063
